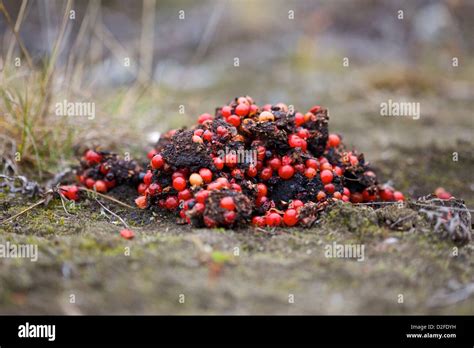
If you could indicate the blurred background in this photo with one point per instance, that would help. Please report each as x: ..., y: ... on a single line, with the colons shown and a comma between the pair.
x: 152, y: 65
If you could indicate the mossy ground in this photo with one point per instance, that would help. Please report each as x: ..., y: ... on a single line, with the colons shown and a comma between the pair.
x: 82, y: 254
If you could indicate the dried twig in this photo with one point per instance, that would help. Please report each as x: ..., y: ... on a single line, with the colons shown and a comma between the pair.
x: 111, y: 212
x: 24, y: 211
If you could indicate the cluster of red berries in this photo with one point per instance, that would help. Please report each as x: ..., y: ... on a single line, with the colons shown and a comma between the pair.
x: 259, y: 164
x: 101, y: 170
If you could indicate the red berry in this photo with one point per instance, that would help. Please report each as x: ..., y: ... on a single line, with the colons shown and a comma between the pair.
x: 315, y: 109
x: 261, y: 200
x: 346, y: 191
x: 251, y: 171
x: 337, y: 195
x: 310, y: 173
x: 218, y: 163
x: 221, y: 131
x: 303, y: 133
x: 386, y: 195
x: 104, y: 168
x: 127, y: 234
x: 312, y: 163
x: 273, y: 219
x: 157, y: 162
x: 286, y: 172
x: 261, y: 190
x: 274, y: 163
x: 329, y: 188
x: 354, y: 160
x: 100, y: 186
x: 201, y: 196
x: 199, y: 207
x: 299, y: 119
x: 90, y: 182
x: 179, y: 184
x: 242, y: 109
x: 177, y: 175
x: 237, y: 173
x: 325, y: 166
x: 209, y: 222
x: 368, y: 196
x: 231, y: 160
x: 398, y: 196
x: 243, y: 100
x: 345, y: 198
x: 93, y: 157
x: 207, y: 136
x: 236, y: 187
x: 234, y: 120
x: 357, y: 197
x: 444, y: 195
x: 253, y: 109
x: 142, y: 188
x: 258, y: 221
x: 183, y: 195
x: 204, y: 117
x: 300, y: 168
x: 199, y: 132
x: 294, y: 140
x: 227, y: 203
x: 110, y: 184
x: 223, y: 182
x: 320, y: 196
x: 154, y: 189
x: 141, y: 202
x: 266, y: 173
x: 229, y: 217
x: 296, y: 204
x: 206, y: 175
x: 70, y: 192
x: 147, y: 178
x: 290, y: 218
x: 334, y: 140
x: 338, y: 170
x: 286, y: 160
x: 226, y: 111
x: 171, y: 203
x: 326, y: 176
x: 151, y: 153
x: 197, y: 139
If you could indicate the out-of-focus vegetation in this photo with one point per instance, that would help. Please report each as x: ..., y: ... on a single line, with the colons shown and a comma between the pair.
x: 182, y: 53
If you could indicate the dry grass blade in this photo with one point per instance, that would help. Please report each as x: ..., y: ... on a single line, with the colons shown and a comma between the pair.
x: 15, y: 33
x: 106, y: 197
x: 11, y: 218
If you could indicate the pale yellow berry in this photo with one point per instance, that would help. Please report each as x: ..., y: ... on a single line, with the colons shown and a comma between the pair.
x: 266, y: 116
x: 195, y: 179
